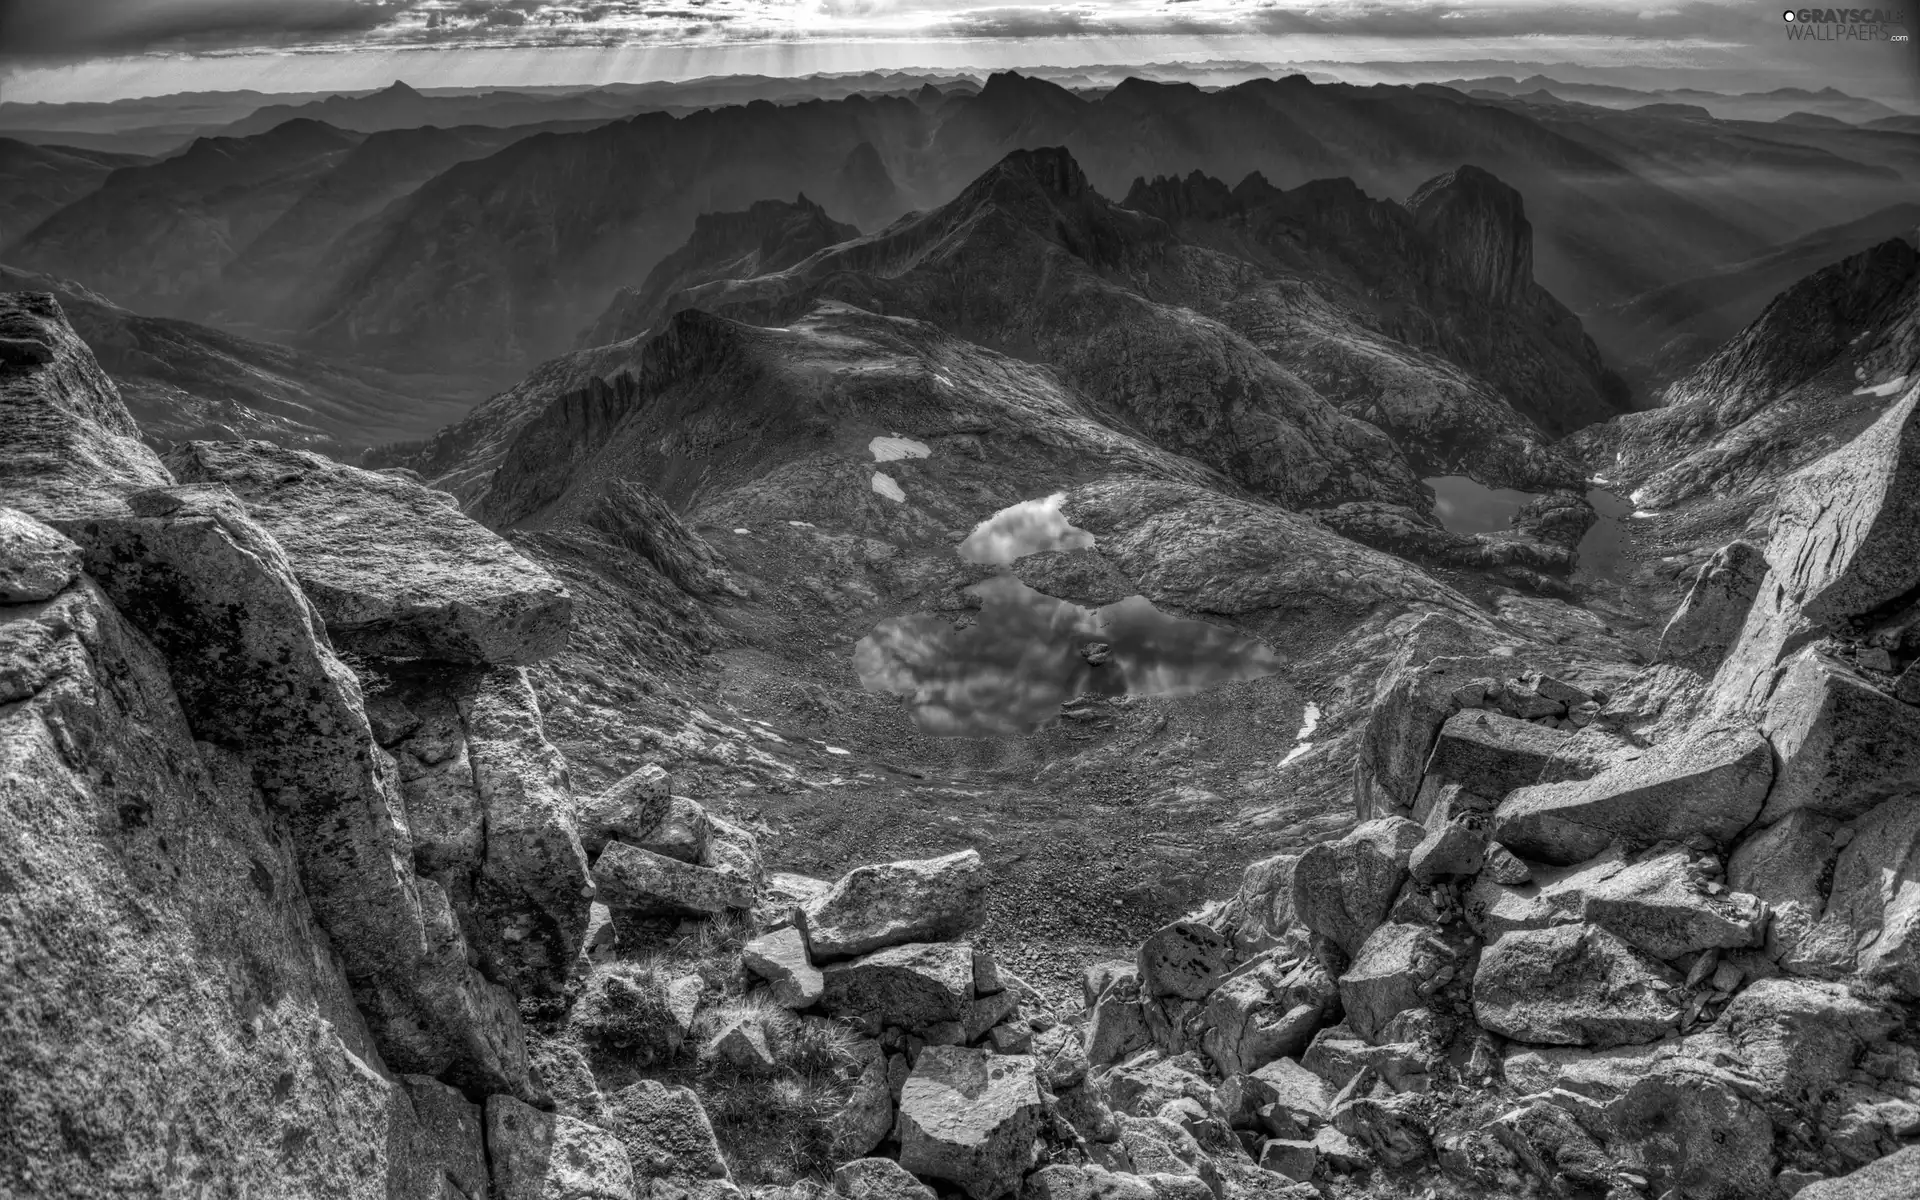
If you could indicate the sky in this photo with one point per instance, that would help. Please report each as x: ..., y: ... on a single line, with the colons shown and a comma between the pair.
x: 63, y: 50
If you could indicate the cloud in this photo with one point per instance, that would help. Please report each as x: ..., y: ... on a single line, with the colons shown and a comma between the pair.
x: 78, y: 29
x: 1434, y: 19
x: 89, y: 28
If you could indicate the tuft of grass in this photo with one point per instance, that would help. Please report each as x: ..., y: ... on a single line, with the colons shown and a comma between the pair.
x: 624, y: 1007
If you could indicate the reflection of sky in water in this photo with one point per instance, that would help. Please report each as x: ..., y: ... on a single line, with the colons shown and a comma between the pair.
x: 1603, y: 549
x: 1010, y: 671
x: 1022, y: 529
x: 1464, y: 506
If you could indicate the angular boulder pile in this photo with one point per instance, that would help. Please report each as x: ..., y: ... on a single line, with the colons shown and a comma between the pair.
x: 1571, y: 952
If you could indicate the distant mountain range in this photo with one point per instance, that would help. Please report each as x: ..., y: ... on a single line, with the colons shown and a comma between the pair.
x: 454, y: 248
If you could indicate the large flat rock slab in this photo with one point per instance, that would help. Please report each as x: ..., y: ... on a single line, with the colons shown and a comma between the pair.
x: 892, y: 904
x: 1712, y: 783
x: 396, y: 570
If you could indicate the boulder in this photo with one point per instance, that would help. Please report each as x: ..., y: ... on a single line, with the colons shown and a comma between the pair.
x: 1262, y: 909
x: 1291, y: 1157
x: 1708, y: 621
x: 912, y: 986
x: 1787, y: 866
x: 1415, y: 696
x: 36, y: 562
x: 1871, y: 922
x: 1453, y: 850
x: 628, y: 811
x: 1185, y: 960
x: 72, y: 449
x: 631, y: 880
x: 1710, y: 784
x: 1388, y: 1124
x: 1898, y: 1174
x: 1157, y: 1146
x: 395, y: 568
x: 1492, y: 753
x: 561, y: 1067
x: 540, y: 1156
x: 452, y: 1138
x: 891, y: 904
x: 1343, y: 889
x: 1843, y: 744
x: 746, y: 1044
x: 877, y: 1179
x: 1573, y: 985
x: 1338, y: 1054
x: 1117, y: 1025
x: 1142, y: 1089
x: 1062, y: 1057
x: 866, y: 1118
x: 1802, y: 1038
x: 972, y: 1119
x: 1098, y: 1183
x: 667, y: 1135
x: 1303, y: 1096
x: 1504, y: 866
x: 1266, y: 1010
x: 1387, y: 976
x: 530, y: 886
x: 1658, y: 904
x: 781, y: 959
x: 683, y: 833
x: 1666, y: 1113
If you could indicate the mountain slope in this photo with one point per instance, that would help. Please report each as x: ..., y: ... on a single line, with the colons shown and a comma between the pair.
x: 181, y: 380
x: 504, y: 260
x: 521, y: 249
x: 767, y: 236
x: 38, y: 181
x: 1450, y: 272
x: 1681, y: 323
x: 1822, y: 362
x: 154, y: 234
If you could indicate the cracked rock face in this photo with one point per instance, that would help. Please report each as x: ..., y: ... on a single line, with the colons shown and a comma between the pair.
x: 71, y: 446
x: 36, y: 562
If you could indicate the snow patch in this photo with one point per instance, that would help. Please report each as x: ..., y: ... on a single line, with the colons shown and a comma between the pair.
x: 1309, y: 721
x: 887, y: 486
x: 1889, y: 388
x: 894, y: 448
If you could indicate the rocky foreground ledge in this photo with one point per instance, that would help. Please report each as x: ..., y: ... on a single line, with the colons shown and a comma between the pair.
x: 299, y: 900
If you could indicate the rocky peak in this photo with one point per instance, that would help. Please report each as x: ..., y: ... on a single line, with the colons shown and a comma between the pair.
x: 766, y: 236
x: 1479, y: 225
x: 1173, y: 198
x: 1046, y: 191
